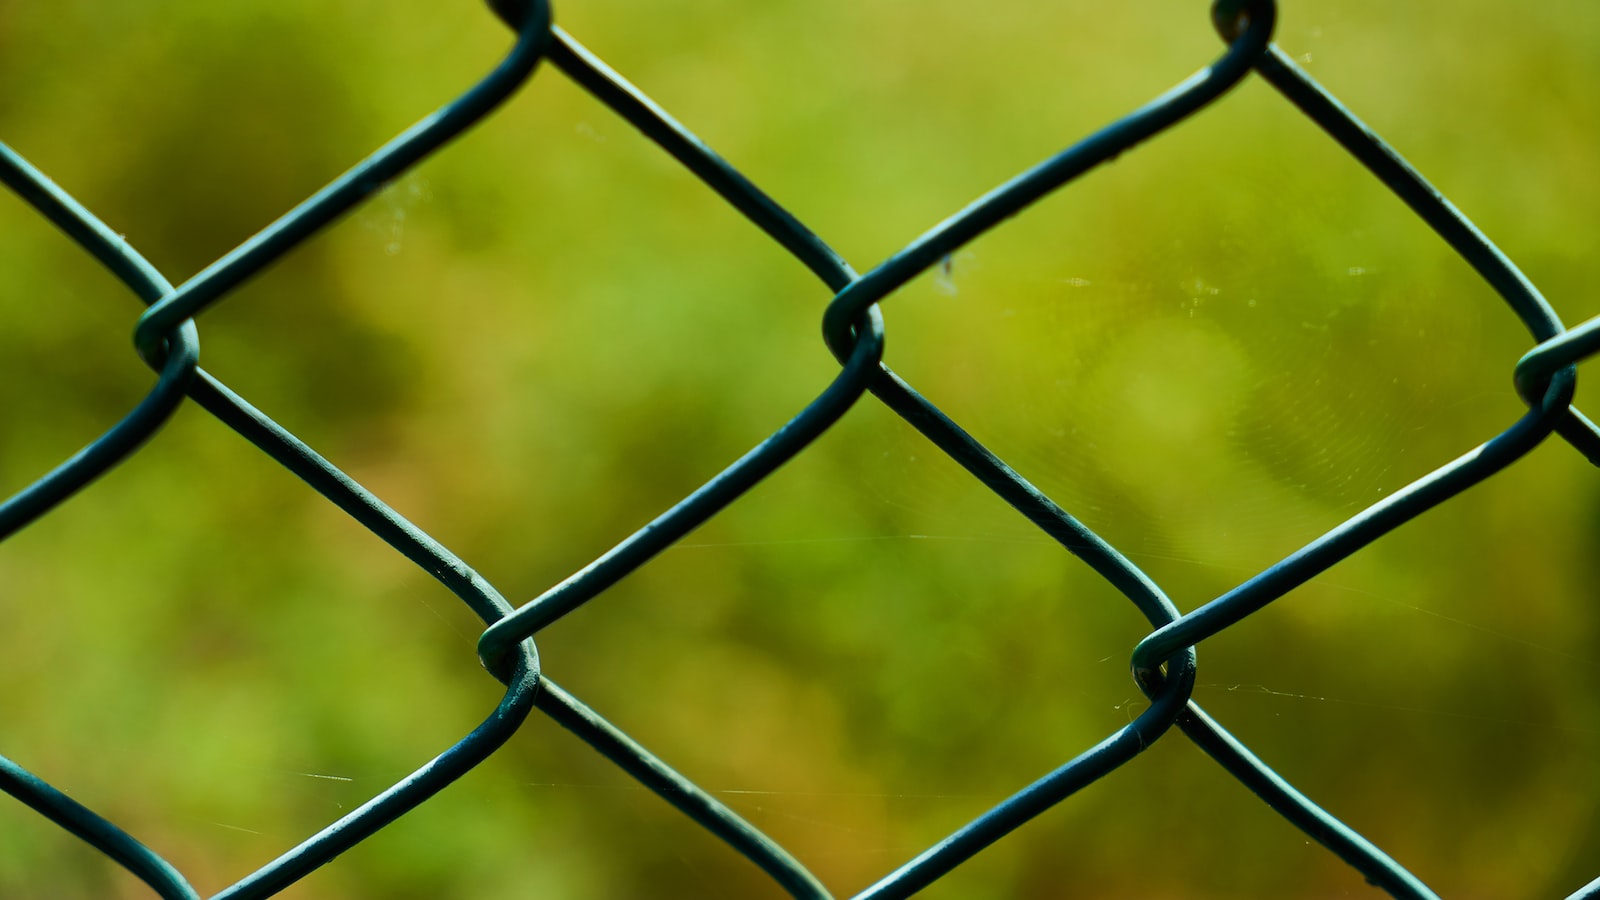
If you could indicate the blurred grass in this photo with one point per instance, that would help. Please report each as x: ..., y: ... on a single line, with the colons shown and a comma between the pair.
x: 1211, y: 351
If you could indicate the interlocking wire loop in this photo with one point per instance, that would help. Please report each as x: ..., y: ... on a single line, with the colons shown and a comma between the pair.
x: 1164, y: 663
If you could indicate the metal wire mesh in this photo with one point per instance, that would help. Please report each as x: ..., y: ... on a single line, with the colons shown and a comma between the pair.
x: 1163, y: 663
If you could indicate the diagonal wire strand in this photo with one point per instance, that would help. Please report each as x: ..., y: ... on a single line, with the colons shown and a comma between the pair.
x: 1164, y: 662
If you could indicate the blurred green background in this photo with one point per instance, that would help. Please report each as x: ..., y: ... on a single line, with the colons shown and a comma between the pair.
x: 1211, y: 351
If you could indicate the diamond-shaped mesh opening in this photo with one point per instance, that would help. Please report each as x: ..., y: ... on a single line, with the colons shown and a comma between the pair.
x: 864, y: 649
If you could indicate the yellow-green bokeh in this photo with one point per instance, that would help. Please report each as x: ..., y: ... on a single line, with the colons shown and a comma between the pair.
x: 1210, y: 351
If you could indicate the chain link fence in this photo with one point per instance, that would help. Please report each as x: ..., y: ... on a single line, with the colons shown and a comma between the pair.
x: 1163, y: 664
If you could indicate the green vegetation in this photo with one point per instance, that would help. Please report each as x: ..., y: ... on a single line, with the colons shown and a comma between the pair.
x: 1211, y: 351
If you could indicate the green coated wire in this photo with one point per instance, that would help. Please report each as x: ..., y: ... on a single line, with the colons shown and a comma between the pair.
x: 1164, y: 662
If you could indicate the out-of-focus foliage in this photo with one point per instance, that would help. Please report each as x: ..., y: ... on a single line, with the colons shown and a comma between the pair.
x: 1211, y: 351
